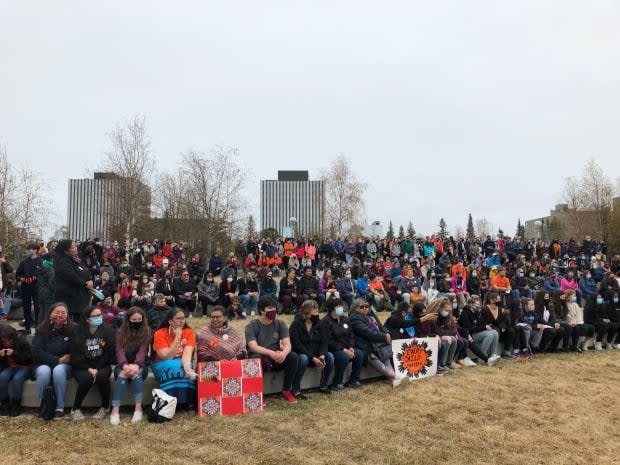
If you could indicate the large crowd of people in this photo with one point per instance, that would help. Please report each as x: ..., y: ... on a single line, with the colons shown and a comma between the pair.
x: 108, y: 310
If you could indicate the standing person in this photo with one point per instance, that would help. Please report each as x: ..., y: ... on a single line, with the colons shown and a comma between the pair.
x: 26, y: 274
x: 309, y: 341
x: 173, y: 347
x: 132, y: 346
x: 46, y: 283
x: 73, y: 280
x: 51, y: 348
x: 15, y: 361
x: 91, y: 356
x: 268, y: 339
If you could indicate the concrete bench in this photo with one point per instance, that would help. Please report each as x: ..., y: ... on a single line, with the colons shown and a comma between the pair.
x: 272, y: 382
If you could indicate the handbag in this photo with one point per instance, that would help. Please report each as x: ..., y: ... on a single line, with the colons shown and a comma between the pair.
x: 382, y: 350
x: 163, y: 408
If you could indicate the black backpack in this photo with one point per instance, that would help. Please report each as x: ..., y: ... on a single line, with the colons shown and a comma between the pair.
x: 48, y: 404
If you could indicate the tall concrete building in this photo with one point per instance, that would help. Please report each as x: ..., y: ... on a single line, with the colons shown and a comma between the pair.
x: 293, y: 204
x: 93, y: 205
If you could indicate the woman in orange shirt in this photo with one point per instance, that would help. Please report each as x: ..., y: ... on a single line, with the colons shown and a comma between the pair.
x: 173, y: 347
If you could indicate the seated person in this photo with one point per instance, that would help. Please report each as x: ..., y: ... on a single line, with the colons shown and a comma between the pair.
x: 208, y: 292
x: 144, y: 292
x: 157, y: 313
x: 308, y: 287
x: 165, y: 286
x: 185, y: 294
x: 219, y: 340
x: 173, y: 347
x: 112, y: 315
x: 268, y: 339
x: 309, y: 341
x: 234, y: 310
x: 248, y: 291
x: 15, y: 365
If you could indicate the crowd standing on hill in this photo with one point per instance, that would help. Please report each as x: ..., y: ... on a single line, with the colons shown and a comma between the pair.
x: 107, y: 309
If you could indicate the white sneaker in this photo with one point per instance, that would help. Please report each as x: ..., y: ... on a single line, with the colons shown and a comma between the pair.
x: 493, y: 359
x: 100, y: 414
x: 191, y: 315
x: 616, y: 346
x: 137, y: 416
x: 468, y: 362
x: 598, y: 346
x: 77, y: 415
x: 115, y: 419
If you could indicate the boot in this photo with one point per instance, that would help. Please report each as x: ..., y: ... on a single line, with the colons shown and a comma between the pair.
x: 16, y: 408
x: 4, y: 408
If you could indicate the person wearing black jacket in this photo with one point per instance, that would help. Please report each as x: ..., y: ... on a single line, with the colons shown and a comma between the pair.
x: 372, y: 338
x: 603, y: 316
x: 92, y: 354
x: 402, y: 323
x: 482, y: 334
x: 185, y: 292
x: 248, y: 292
x: 15, y: 361
x: 26, y: 274
x: 496, y: 317
x: 289, y: 295
x: 309, y: 342
x: 165, y: 286
x: 546, y: 323
x: 341, y: 343
x: 51, y: 349
x: 308, y: 287
x: 73, y: 280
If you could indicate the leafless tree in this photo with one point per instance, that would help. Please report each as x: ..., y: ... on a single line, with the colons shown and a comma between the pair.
x: 344, y: 196
x: 483, y: 228
x: 25, y: 208
x: 131, y: 160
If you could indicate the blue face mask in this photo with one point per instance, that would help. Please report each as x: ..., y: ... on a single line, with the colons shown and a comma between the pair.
x: 615, y: 300
x: 599, y: 301
x: 96, y: 320
x: 444, y: 313
x: 339, y: 311
x: 573, y: 299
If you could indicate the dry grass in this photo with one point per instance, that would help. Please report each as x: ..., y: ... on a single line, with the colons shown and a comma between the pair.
x: 552, y: 410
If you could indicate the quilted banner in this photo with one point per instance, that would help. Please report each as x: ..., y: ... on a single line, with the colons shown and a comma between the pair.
x: 230, y: 387
x: 414, y: 358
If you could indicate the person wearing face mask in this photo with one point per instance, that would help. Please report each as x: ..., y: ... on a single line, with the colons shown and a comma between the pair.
x: 132, y: 346
x: 289, y: 295
x: 208, y: 293
x: 582, y: 332
x: 185, y: 291
x: 482, y: 334
x: 51, y: 349
x: 549, y: 331
x: 520, y: 286
x: 112, y: 315
x: 249, y: 290
x: 345, y: 285
x: 218, y: 340
x: 473, y: 282
x: 173, y: 347
x: 268, y: 339
x: 309, y: 342
x: 599, y: 313
x: 26, y: 274
x: 165, y: 286
x: 569, y: 282
x: 451, y: 342
x: 587, y: 286
x: 495, y: 317
x: 268, y: 286
x: 144, y: 292
x: 228, y: 289
x: 15, y: 361
x: 92, y: 353
x: 341, y: 343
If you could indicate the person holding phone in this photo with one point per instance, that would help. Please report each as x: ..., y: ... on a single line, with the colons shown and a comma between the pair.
x: 15, y: 361
x: 173, y: 346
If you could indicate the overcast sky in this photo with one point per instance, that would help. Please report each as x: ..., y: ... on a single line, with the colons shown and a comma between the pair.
x: 444, y: 108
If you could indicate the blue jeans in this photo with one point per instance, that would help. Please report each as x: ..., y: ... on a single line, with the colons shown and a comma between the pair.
x: 341, y: 360
x: 121, y: 383
x: 248, y: 302
x: 59, y: 376
x: 302, y: 363
x: 18, y: 375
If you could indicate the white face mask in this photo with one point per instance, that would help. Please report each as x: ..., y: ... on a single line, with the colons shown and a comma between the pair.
x: 229, y: 280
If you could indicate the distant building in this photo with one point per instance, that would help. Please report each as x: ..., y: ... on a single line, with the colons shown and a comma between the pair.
x: 293, y: 203
x: 564, y: 223
x: 374, y: 229
x: 92, y: 205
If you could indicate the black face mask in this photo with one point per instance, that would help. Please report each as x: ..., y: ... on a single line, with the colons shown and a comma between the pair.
x: 314, y: 318
x: 135, y: 325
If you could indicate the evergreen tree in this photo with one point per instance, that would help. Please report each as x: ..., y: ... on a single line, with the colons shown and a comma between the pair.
x: 443, y: 229
x: 390, y: 233
x: 520, y: 229
x: 500, y: 233
x: 410, y: 230
x: 401, y: 232
x: 251, y: 227
x: 470, y: 233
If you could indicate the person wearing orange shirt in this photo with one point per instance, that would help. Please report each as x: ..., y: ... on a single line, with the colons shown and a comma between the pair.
x: 500, y: 283
x: 173, y: 347
x: 458, y: 266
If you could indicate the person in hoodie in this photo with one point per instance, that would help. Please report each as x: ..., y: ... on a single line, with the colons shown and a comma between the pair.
x: 112, y: 315
x: 482, y: 334
x: 92, y: 354
x: 363, y: 284
x: 309, y: 340
x: 15, y: 362
x: 583, y: 333
x: 46, y: 284
x: 587, y: 286
x: 402, y: 322
x: 550, y: 332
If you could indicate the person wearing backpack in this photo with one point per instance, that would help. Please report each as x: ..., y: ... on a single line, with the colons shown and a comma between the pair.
x: 15, y: 361
x: 50, y: 352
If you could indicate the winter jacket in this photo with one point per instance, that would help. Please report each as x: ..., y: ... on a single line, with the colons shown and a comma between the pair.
x: 311, y: 343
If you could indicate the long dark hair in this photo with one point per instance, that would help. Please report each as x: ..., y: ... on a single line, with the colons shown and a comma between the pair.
x: 169, y: 316
x: 560, y: 307
x: 8, y: 333
x: 62, y: 249
x: 129, y: 339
